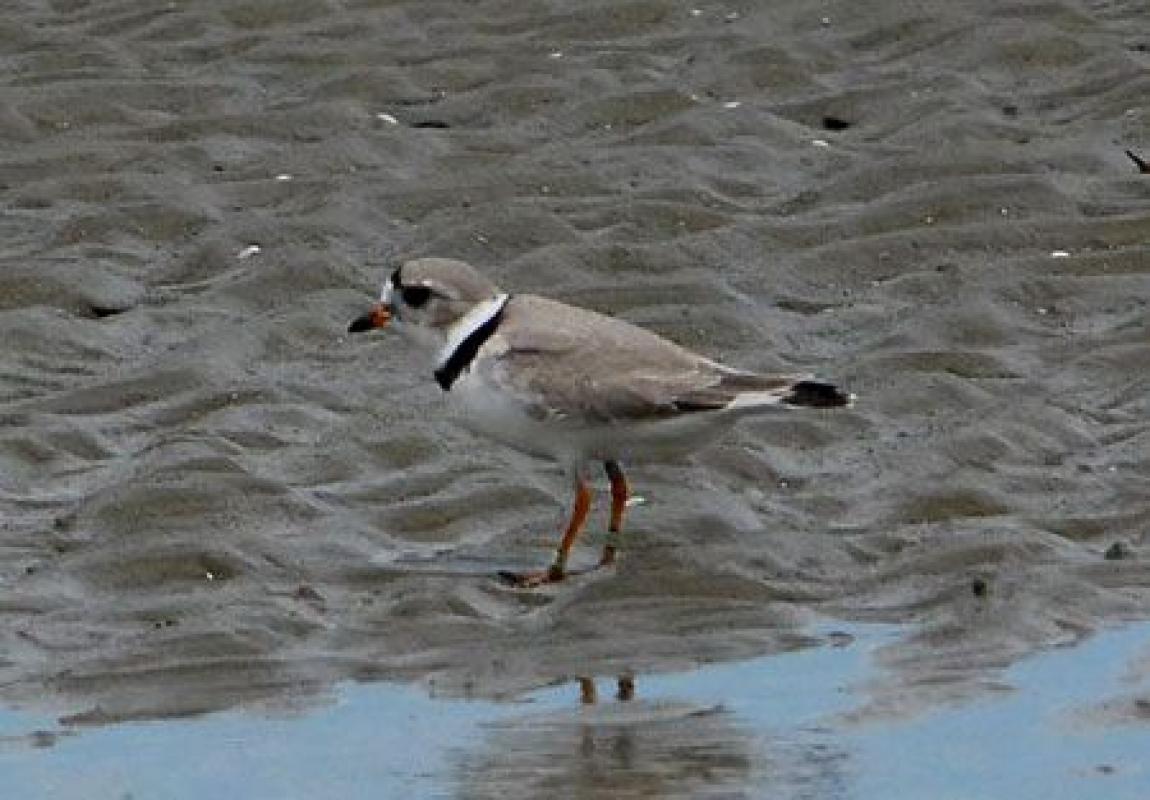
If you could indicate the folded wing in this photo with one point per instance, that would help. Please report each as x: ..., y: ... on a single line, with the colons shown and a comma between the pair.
x: 572, y: 363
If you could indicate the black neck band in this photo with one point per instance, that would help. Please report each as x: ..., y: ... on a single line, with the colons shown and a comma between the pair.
x: 465, y: 353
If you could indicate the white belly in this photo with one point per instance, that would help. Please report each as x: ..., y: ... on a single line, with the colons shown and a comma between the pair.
x: 481, y: 408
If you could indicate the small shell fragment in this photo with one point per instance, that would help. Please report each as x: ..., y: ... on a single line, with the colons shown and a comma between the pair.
x: 248, y: 252
x: 383, y: 116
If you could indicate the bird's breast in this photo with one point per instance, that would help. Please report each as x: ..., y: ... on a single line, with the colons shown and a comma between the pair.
x: 491, y: 410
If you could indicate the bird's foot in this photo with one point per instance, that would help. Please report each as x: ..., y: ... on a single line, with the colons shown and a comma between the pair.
x: 531, y: 580
x: 554, y: 573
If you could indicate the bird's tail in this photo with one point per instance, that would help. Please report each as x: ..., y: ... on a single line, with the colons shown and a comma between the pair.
x: 816, y: 395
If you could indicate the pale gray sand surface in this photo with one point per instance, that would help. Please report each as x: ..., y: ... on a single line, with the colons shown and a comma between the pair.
x: 211, y: 497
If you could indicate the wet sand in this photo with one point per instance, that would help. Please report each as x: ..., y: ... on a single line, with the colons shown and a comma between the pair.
x: 211, y: 498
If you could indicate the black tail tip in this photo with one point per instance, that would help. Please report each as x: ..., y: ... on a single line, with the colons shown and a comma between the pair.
x: 817, y: 395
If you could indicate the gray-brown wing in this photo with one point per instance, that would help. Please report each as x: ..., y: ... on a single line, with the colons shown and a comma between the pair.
x: 570, y: 362
x: 566, y: 387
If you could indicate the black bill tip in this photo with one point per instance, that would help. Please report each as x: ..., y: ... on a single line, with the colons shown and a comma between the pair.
x: 362, y: 323
x: 817, y: 395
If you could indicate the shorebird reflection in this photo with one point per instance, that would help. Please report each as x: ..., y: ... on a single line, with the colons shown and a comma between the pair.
x: 614, y: 746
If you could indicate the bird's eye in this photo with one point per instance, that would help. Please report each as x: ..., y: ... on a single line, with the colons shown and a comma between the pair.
x: 416, y: 296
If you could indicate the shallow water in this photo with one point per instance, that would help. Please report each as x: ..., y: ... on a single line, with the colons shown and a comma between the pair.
x: 781, y: 726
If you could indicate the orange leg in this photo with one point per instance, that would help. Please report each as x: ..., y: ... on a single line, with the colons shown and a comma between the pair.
x: 558, y: 569
x: 574, y: 526
x: 619, y: 494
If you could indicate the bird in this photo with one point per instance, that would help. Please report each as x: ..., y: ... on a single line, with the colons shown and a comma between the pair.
x: 570, y: 384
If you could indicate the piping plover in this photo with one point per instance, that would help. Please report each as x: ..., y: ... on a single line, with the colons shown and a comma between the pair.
x: 570, y: 384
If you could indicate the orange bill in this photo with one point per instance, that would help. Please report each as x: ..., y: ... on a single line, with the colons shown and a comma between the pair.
x: 377, y: 317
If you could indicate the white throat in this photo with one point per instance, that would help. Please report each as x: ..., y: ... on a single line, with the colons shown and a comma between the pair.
x: 469, y: 323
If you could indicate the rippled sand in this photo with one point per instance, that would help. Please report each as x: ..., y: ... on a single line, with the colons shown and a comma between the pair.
x: 210, y: 497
